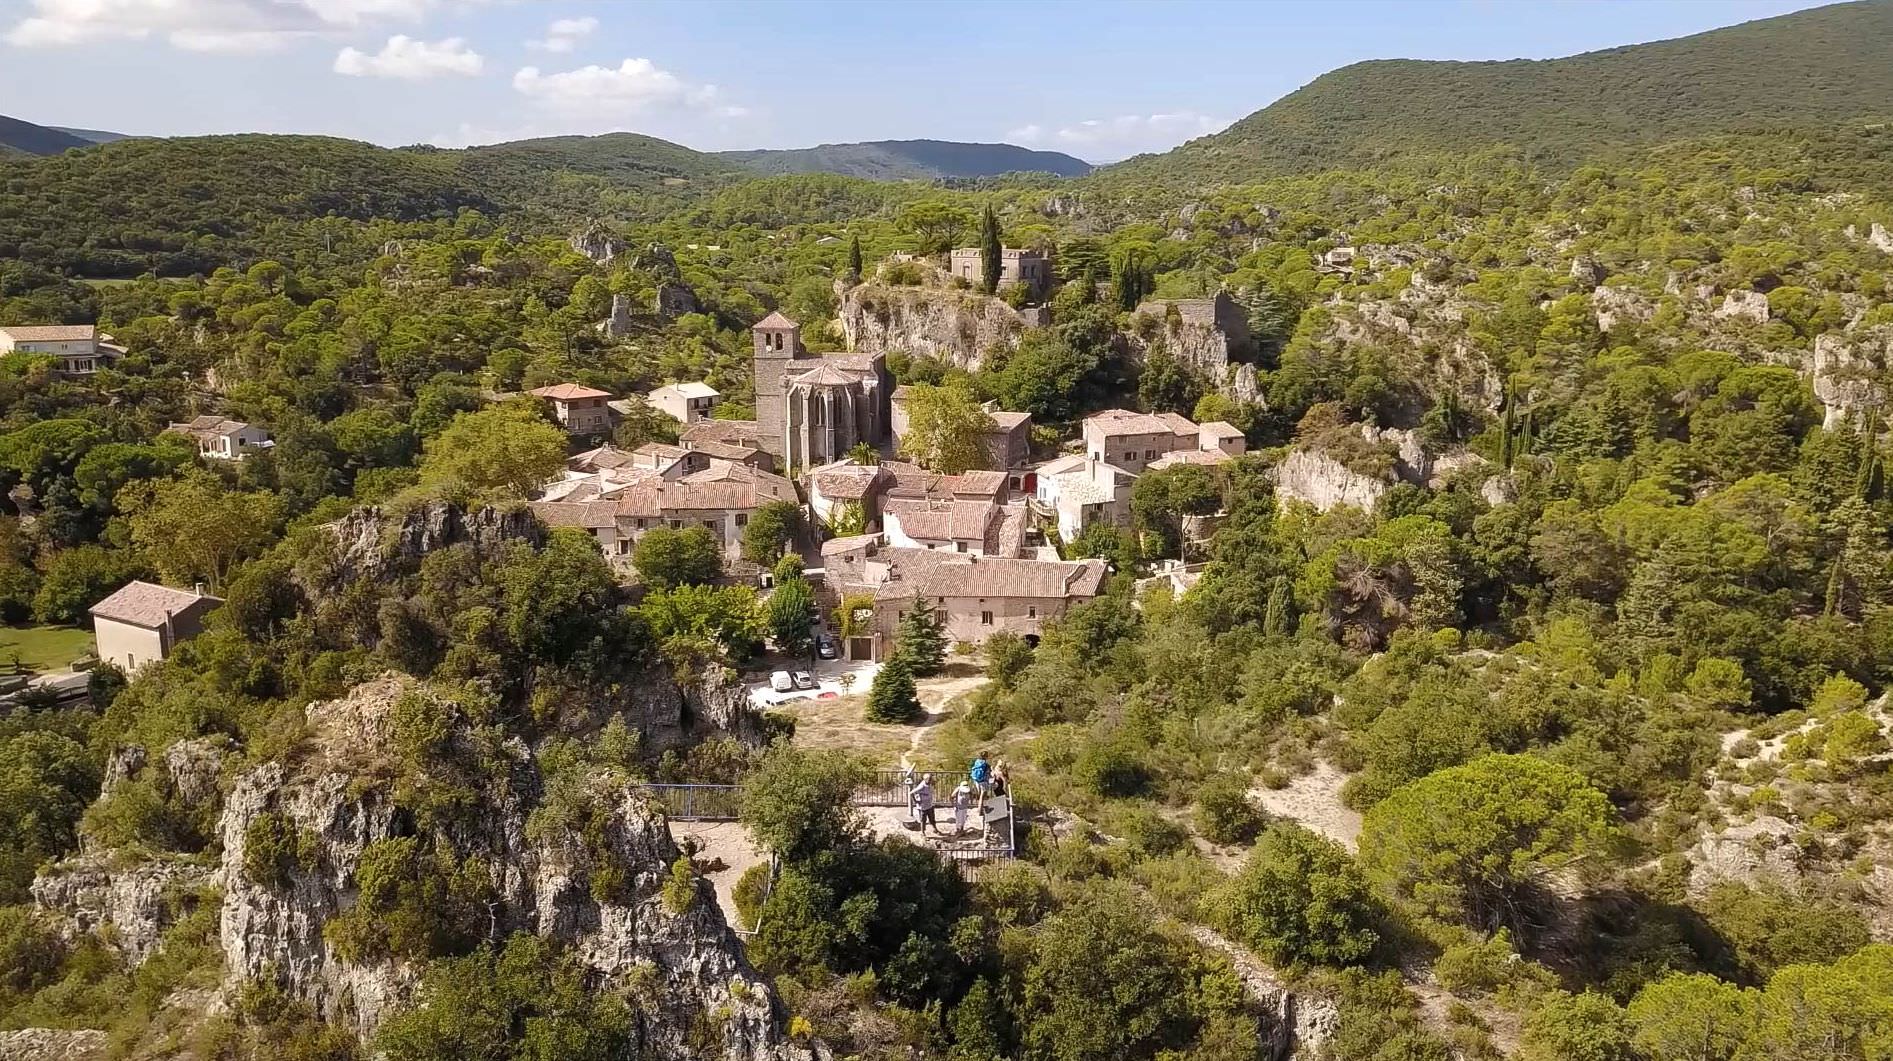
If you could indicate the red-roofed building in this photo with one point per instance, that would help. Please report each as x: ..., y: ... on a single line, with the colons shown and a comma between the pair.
x: 581, y: 410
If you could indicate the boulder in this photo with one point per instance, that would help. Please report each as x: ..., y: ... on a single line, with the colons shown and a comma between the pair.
x: 1744, y: 305
x: 1318, y: 479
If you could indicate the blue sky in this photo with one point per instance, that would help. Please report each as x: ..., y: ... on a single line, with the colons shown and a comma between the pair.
x: 1099, y: 80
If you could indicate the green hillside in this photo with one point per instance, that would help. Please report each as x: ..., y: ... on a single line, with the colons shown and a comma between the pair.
x: 25, y: 138
x: 911, y: 160
x: 1821, y: 66
x: 184, y: 205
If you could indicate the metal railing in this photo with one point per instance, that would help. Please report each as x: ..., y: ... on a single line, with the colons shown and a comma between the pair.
x: 883, y: 788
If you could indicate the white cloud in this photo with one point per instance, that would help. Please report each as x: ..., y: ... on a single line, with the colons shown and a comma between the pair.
x: 1120, y: 137
x: 634, y: 85
x: 412, y: 60
x: 564, y: 34
x: 202, y: 25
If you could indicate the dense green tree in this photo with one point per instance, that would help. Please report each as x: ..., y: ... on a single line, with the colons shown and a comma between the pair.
x: 892, y: 697
x: 792, y: 616
x: 1471, y: 840
x: 508, y: 450
x: 522, y: 1000
x: 946, y: 429
x: 665, y: 558
x: 920, y: 640
x: 990, y: 249
x: 1299, y: 898
x: 773, y: 526
x: 799, y: 803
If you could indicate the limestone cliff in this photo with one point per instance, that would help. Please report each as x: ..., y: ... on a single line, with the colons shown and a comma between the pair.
x: 958, y: 327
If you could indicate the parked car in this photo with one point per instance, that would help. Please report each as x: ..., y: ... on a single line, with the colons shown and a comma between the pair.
x: 781, y: 682
x: 825, y: 647
x: 804, y: 680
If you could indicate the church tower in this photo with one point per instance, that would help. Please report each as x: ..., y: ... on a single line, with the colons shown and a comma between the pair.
x: 778, y: 344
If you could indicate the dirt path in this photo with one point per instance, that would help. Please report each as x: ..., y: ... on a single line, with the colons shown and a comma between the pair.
x: 1314, y: 800
x: 728, y: 843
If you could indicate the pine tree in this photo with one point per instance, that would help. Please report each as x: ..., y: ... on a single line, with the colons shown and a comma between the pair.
x: 893, y: 698
x: 920, y: 641
x: 1509, y: 426
x: 854, y: 259
x: 1275, y: 622
x: 991, y: 251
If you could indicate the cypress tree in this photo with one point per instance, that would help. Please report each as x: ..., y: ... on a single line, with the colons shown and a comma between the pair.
x: 920, y: 641
x: 991, y: 250
x: 854, y: 258
x: 893, y: 698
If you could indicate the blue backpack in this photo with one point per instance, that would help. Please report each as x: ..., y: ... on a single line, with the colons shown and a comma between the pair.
x: 981, y: 772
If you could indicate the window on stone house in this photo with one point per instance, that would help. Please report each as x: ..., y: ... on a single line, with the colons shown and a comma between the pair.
x: 742, y: 519
x: 1031, y: 611
x: 1131, y: 456
x: 1150, y: 454
x: 985, y: 618
x: 676, y: 524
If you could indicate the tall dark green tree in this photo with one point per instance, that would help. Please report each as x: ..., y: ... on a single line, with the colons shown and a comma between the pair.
x: 990, y: 250
x: 893, y: 697
x: 854, y: 258
x: 921, y: 641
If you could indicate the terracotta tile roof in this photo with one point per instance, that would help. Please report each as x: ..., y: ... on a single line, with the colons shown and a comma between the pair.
x: 1061, y: 465
x: 725, y: 485
x: 943, y: 521
x: 1220, y: 429
x: 726, y: 451
x: 775, y: 320
x: 845, y: 480
x: 1190, y: 456
x: 1007, y: 421
x: 690, y: 390
x: 568, y: 392
x: 604, y: 457
x: 585, y: 515
x: 50, y: 333
x: 837, y: 546
x: 926, y: 573
x: 1114, y: 422
x: 150, y: 605
x: 977, y: 483
x: 827, y: 375
x: 727, y: 431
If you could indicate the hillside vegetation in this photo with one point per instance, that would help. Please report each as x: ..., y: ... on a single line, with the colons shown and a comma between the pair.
x: 911, y: 160
x: 1816, y: 67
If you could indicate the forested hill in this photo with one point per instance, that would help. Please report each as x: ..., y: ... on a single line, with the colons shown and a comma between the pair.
x: 911, y: 160
x: 1823, y: 66
x: 25, y: 138
x: 182, y: 205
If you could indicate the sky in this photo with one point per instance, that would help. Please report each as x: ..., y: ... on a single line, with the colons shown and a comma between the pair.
x: 1101, y: 80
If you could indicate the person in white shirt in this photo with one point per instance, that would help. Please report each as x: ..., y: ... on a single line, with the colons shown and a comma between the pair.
x: 962, y: 802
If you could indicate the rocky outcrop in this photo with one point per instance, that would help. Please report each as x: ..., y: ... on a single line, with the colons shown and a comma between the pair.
x: 138, y: 901
x: 687, y: 967
x: 1754, y: 850
x: 598, y: 243
x: 1318, y: 479
x: 371, y: 543
x: 619, y: 324
x: 1211, y: 335
x: 1880, y: 237
x: 958, y: 327
x: 1614, y: 307
x: 48, y: 1044
x: 1290, y: 1024
x: 1846, y: 369
x: 1744, y: 305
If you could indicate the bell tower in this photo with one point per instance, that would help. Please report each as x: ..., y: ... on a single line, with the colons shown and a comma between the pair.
x: 778, y: 343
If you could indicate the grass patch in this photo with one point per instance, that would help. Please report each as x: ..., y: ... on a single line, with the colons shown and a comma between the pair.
x: 43, y: 648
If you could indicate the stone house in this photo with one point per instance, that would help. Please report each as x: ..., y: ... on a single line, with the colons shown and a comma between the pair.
x: 1017, y: 265
x: 219, y: 438
x: 79, y: 348
x: 1008, y: 445
x: 142, y: 622
x: 618, y: 505
x: 1076, y: 491
x: 973, y: 596
x: 581, y: 410
x: 737, y: 440
x: 685, y: 403
x: 812, y: 410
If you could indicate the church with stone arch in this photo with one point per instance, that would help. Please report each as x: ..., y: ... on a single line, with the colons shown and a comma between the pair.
x: 812, y: 409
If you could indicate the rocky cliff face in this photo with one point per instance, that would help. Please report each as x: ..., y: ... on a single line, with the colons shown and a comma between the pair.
x: 371, y: 544
x: 958, y: 327
x: 1846, y: 370
x: 687, y: 967
x: 1318, y: 479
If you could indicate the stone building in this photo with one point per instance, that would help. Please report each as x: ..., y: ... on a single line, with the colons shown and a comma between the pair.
x: 142, y: 622
x: 1016, y: 266
x: 811, y: 410
x: 581, y: 410
x: 79, y: 348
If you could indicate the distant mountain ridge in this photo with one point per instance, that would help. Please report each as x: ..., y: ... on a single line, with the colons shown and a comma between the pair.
x: 910, y: 160
x: 25, y: 138
x: 1810, y: 68
x: 95, y: 136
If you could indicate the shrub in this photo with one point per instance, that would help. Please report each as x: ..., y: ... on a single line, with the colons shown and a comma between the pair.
x: 893, y: 697
x: 751, y: 891
x: 412, y: 902
x: 1477, y: 967
x: 1007, y: 656
x: 680, y: 886
x: 274, y: 849
x: 1300, y: 898
x: 1586, y: 1027
x: 1111, y: 767
x: 1224, y: 813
